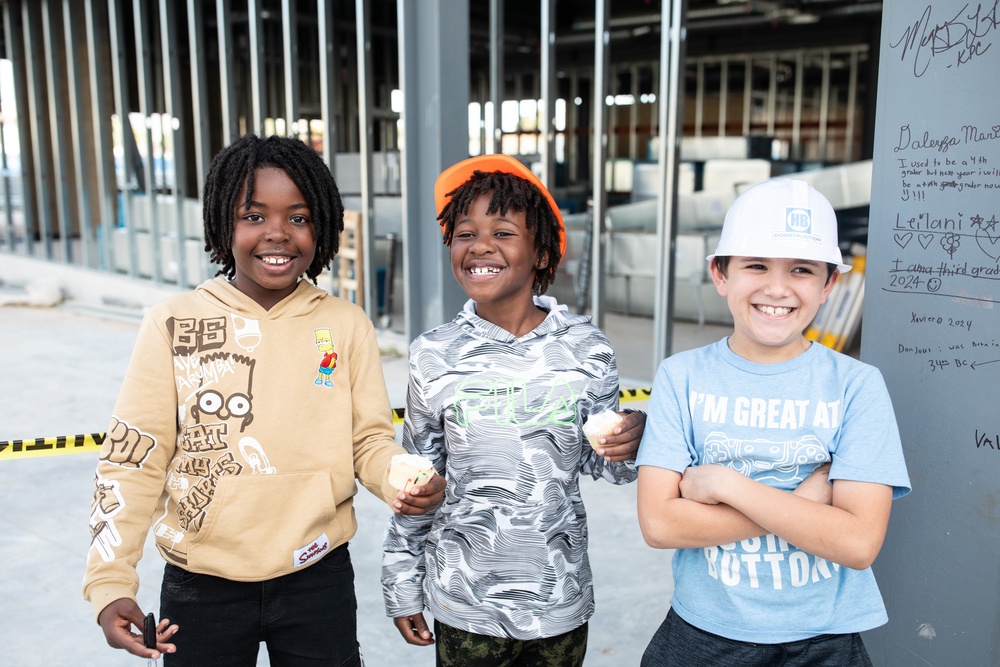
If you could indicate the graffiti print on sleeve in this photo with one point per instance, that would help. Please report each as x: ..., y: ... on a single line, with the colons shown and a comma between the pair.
x: 126, y: 446
x: 107, y: 503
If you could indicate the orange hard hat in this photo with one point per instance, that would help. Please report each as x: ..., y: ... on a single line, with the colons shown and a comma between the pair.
x: 457, y: 174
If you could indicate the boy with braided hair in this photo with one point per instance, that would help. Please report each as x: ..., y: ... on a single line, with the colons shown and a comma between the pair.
x: 496, y: 401
x: 224, y: 443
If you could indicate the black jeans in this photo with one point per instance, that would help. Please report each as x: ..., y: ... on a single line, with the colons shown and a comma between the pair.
x: 304, y: 618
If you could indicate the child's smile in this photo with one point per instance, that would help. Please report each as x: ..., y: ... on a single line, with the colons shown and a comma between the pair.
x: 273, y: 238
x: 482, y: 270
x: 771, y: 310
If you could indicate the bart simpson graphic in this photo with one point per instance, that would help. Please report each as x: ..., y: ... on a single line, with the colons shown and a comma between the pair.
x: 324, y: 341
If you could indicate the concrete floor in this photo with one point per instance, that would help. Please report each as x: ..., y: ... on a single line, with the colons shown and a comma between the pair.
x: 62, y: 371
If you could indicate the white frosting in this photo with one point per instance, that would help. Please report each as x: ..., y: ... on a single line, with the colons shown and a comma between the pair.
x: 602, y: 423
x: 409, y: 470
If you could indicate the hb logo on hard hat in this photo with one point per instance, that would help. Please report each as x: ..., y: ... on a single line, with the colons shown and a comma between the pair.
x: 798, y: 226
x: 798, y: 220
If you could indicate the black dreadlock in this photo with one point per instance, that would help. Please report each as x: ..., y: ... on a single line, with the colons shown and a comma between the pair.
x: 237, y: 163
x: 509, y: 191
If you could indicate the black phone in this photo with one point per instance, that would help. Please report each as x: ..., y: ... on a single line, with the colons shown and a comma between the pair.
x: 149, y: 631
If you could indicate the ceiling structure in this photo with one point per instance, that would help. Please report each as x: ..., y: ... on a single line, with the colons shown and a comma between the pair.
x: 713, y: 27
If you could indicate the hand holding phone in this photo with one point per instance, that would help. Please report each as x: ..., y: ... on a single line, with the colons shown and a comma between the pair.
x: 149, y: 631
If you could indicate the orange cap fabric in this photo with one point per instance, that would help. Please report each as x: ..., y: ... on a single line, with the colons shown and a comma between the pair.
x: 457, y: 174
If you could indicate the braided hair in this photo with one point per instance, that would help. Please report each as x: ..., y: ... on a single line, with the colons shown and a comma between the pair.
x: 238, y: 163
x: 509, y: 191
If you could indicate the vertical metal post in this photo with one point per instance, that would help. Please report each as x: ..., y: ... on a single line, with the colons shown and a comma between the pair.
x: 672, y: 38
x: 199, y: 92
x: 824, y: 106
x: 257, y: 69
x: 723, y: 96
x: 493, y: 132
x: 547, y: 47
x: 699, y: 97
x: 852, y: 99
x: 14, y: 36
x: 350, y: 125
x: 8, y: 208
x: 654, y: 117
x: 573, y: 126
x: 119, y: 74
x: 100, y: 117
x: 227, y: 94
x: 57, y: 128
x: 290, y: 48
x: 485, y: 110
x: 633, y: 114
x: 602, y: 12
x: 74, y: 81
x: 172, y: 97
x: 328, y: 92
x: 144, y: 70
x: 363, y: 25
x: 40, y: 138
x: 772, y: 95
x: 328, y: 82
x: 747, y: 94
x: 797, y: 148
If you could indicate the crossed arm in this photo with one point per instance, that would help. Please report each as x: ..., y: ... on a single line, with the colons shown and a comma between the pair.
x: 711, y: 504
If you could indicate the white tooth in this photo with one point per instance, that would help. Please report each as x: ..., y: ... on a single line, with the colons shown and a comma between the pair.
x: 483, y: 270
x: 772, y: 310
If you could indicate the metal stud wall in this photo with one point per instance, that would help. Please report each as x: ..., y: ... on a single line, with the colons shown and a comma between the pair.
x: 114, y: 109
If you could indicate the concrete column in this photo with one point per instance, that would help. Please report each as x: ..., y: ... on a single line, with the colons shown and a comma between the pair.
x: 434, y: 75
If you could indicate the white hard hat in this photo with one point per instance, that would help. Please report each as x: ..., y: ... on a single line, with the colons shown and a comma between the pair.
x: 783, y: 218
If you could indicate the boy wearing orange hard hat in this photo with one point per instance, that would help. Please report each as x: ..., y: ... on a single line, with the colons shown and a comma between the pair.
x: 497, y: 399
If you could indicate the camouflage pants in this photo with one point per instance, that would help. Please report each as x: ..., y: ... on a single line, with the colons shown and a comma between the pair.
x: 458, y: 648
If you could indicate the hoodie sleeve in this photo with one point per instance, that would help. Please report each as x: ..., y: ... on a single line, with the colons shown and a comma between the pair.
x: 373, y: 432
x: 131, y: 472
x: 604, y: 396
x: 406, y: 536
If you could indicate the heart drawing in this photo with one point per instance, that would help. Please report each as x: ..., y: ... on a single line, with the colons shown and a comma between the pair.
x: 988, y: 243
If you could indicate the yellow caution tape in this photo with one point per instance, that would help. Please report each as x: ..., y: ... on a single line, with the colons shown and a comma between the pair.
x: 627, y: 395
x: 63, y: 444
x: 91, y: 442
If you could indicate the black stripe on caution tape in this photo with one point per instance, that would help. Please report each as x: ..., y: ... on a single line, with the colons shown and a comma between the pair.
x: 91, y: 442
x: 626, y: 395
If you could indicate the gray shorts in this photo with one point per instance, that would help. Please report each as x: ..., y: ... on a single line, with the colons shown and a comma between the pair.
x: 677, y: 643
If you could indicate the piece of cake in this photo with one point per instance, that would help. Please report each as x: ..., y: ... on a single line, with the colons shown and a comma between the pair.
x: 600, y: 425
x: 409, y: 470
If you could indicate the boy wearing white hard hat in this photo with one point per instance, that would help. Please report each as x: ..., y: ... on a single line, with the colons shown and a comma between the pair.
x: 769, y: 462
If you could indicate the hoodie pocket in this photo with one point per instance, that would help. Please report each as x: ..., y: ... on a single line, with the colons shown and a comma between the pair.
x: 258, y: 526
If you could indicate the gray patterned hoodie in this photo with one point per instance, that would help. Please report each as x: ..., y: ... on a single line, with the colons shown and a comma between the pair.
x: 506, y: 553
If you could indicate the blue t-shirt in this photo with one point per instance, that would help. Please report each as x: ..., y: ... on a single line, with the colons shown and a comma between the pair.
x: 774, y: 423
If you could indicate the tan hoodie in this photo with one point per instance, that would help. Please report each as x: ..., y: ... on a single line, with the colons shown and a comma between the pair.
x: 237, y: 437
